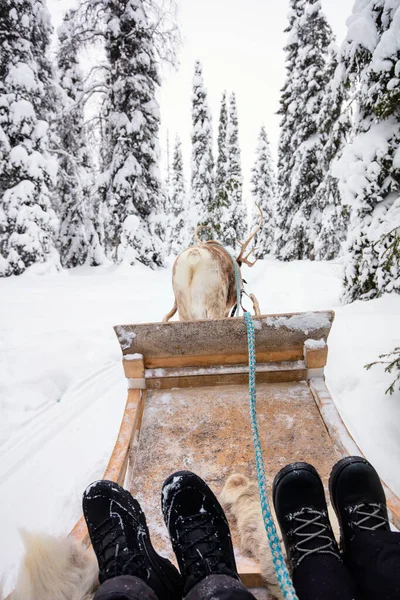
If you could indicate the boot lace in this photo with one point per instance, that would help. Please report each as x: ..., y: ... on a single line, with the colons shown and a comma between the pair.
x: 196, y: 560
x: 112, y: 552
x: 313, y: 534
x: 372, y: 516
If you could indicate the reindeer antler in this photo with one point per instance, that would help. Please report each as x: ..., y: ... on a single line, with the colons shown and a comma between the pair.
x: 198, y: 228
x: 245, y: 259
x: 196, y: 237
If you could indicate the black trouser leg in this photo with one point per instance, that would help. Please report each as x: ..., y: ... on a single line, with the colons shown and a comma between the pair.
x: 373, y: 559
x: 216, y: 587
x: 323, y: 577
x: 219, y: 587
x: 125, y: 587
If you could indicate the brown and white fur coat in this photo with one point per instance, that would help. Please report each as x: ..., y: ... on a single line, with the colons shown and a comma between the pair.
x: 55, y: 569
x: 241, y: 500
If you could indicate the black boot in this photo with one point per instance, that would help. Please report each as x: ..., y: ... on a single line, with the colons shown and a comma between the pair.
x: 302, y: 513
x: 358, y: 498
x: 312, y: 552
x: 371, y: 552
x: 198, y: 529
x: 121, y: 540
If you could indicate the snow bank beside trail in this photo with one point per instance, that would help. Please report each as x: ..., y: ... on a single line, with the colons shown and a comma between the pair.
x: 361, y: 332
x: 62, y: 388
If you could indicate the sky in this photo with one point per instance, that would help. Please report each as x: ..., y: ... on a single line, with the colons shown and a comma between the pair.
x: 240, y: 45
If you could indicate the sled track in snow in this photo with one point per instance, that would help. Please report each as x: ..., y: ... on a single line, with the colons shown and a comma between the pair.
x: 46, y: 424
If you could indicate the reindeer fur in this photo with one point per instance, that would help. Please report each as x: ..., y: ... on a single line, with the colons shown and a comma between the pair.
x: 241, y: 500
x: 204, y: 279
x: 204, y: 284
x: 55, y: 569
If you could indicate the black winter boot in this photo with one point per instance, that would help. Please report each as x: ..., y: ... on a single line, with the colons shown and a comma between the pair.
x: 302, y: 513
x: 358, y: 498
x: 313, y: 555
x: 121, y: 540
x: 198, y: 529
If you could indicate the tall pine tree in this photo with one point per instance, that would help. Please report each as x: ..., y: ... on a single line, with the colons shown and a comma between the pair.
x: 132, y: 178
x: 178, y: 231
x: 27, y: 171
x: 221, y: 175
x: 263, y: 189
x: 202, y: 179
x: 369, y: 169
x: 233, y: 219
x: 301, y: 144
x: 334, y: 123
x: 78, y: 239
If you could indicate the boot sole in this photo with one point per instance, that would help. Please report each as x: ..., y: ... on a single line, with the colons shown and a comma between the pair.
x: 298, y: 466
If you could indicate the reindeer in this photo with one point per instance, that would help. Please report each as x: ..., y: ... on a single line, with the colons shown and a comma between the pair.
x: 203, y: 279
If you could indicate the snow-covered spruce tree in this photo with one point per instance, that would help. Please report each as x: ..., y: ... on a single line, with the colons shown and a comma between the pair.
x: 334, y: 124
x: 369, y: 169
x: 178, y: 231
x: 132, y: 179
x: 78, y: 239
x: 300, y: 148
x: 221, y: 174
x: 202, y: 178
x: 27, y: 171
x: 233, y: 219
x: 263, y: 190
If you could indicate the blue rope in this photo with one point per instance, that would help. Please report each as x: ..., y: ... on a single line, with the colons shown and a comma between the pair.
x: 282, y: 573
x: 285, y: 583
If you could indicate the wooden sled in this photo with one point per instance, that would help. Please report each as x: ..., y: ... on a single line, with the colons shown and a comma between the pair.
x: 187, y: 408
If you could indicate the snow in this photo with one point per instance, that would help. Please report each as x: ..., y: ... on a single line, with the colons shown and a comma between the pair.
x: 135, y: 356
x: 62, y: 387
x: 305, y: 322
x: 315, y: 344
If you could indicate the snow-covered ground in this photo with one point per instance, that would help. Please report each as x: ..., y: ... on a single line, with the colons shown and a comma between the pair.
x: 62, y: 389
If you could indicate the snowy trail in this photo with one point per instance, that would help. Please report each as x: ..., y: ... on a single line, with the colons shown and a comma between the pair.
x: 47, y: 424
x: 63, y: 391
x: 46, y: 467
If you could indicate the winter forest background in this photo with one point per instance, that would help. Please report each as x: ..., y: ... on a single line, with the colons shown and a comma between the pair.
x: 93, y: 179
x: 80, y: 177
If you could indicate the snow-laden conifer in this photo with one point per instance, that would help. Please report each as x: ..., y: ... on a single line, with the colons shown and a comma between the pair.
x: 330, y: 218
x: 178, y: 225
x: 300, y: 148
x: 202, y: 176
x: 221, y: 175
x: 263, y: 190
x: 78, y: 239
x: 233, y: 218
x: 369, y: 169
x: 132, y: 179
x: 27, y: 171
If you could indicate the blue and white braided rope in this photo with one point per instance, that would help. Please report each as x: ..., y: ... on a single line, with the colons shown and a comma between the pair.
x: 281, y: 570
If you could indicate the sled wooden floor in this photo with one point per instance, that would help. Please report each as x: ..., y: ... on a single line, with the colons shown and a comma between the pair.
x: 207, y: 430
x: 187, y: 408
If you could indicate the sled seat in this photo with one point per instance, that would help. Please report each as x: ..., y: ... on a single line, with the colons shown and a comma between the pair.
x: 187, y: 408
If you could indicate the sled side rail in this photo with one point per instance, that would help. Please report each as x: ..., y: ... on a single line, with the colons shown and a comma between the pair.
x: 279, y: 338
x: 118, y: 463
x: 343, y: 441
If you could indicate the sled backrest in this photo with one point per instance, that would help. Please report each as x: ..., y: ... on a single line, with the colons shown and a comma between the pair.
x: 289, y: 342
